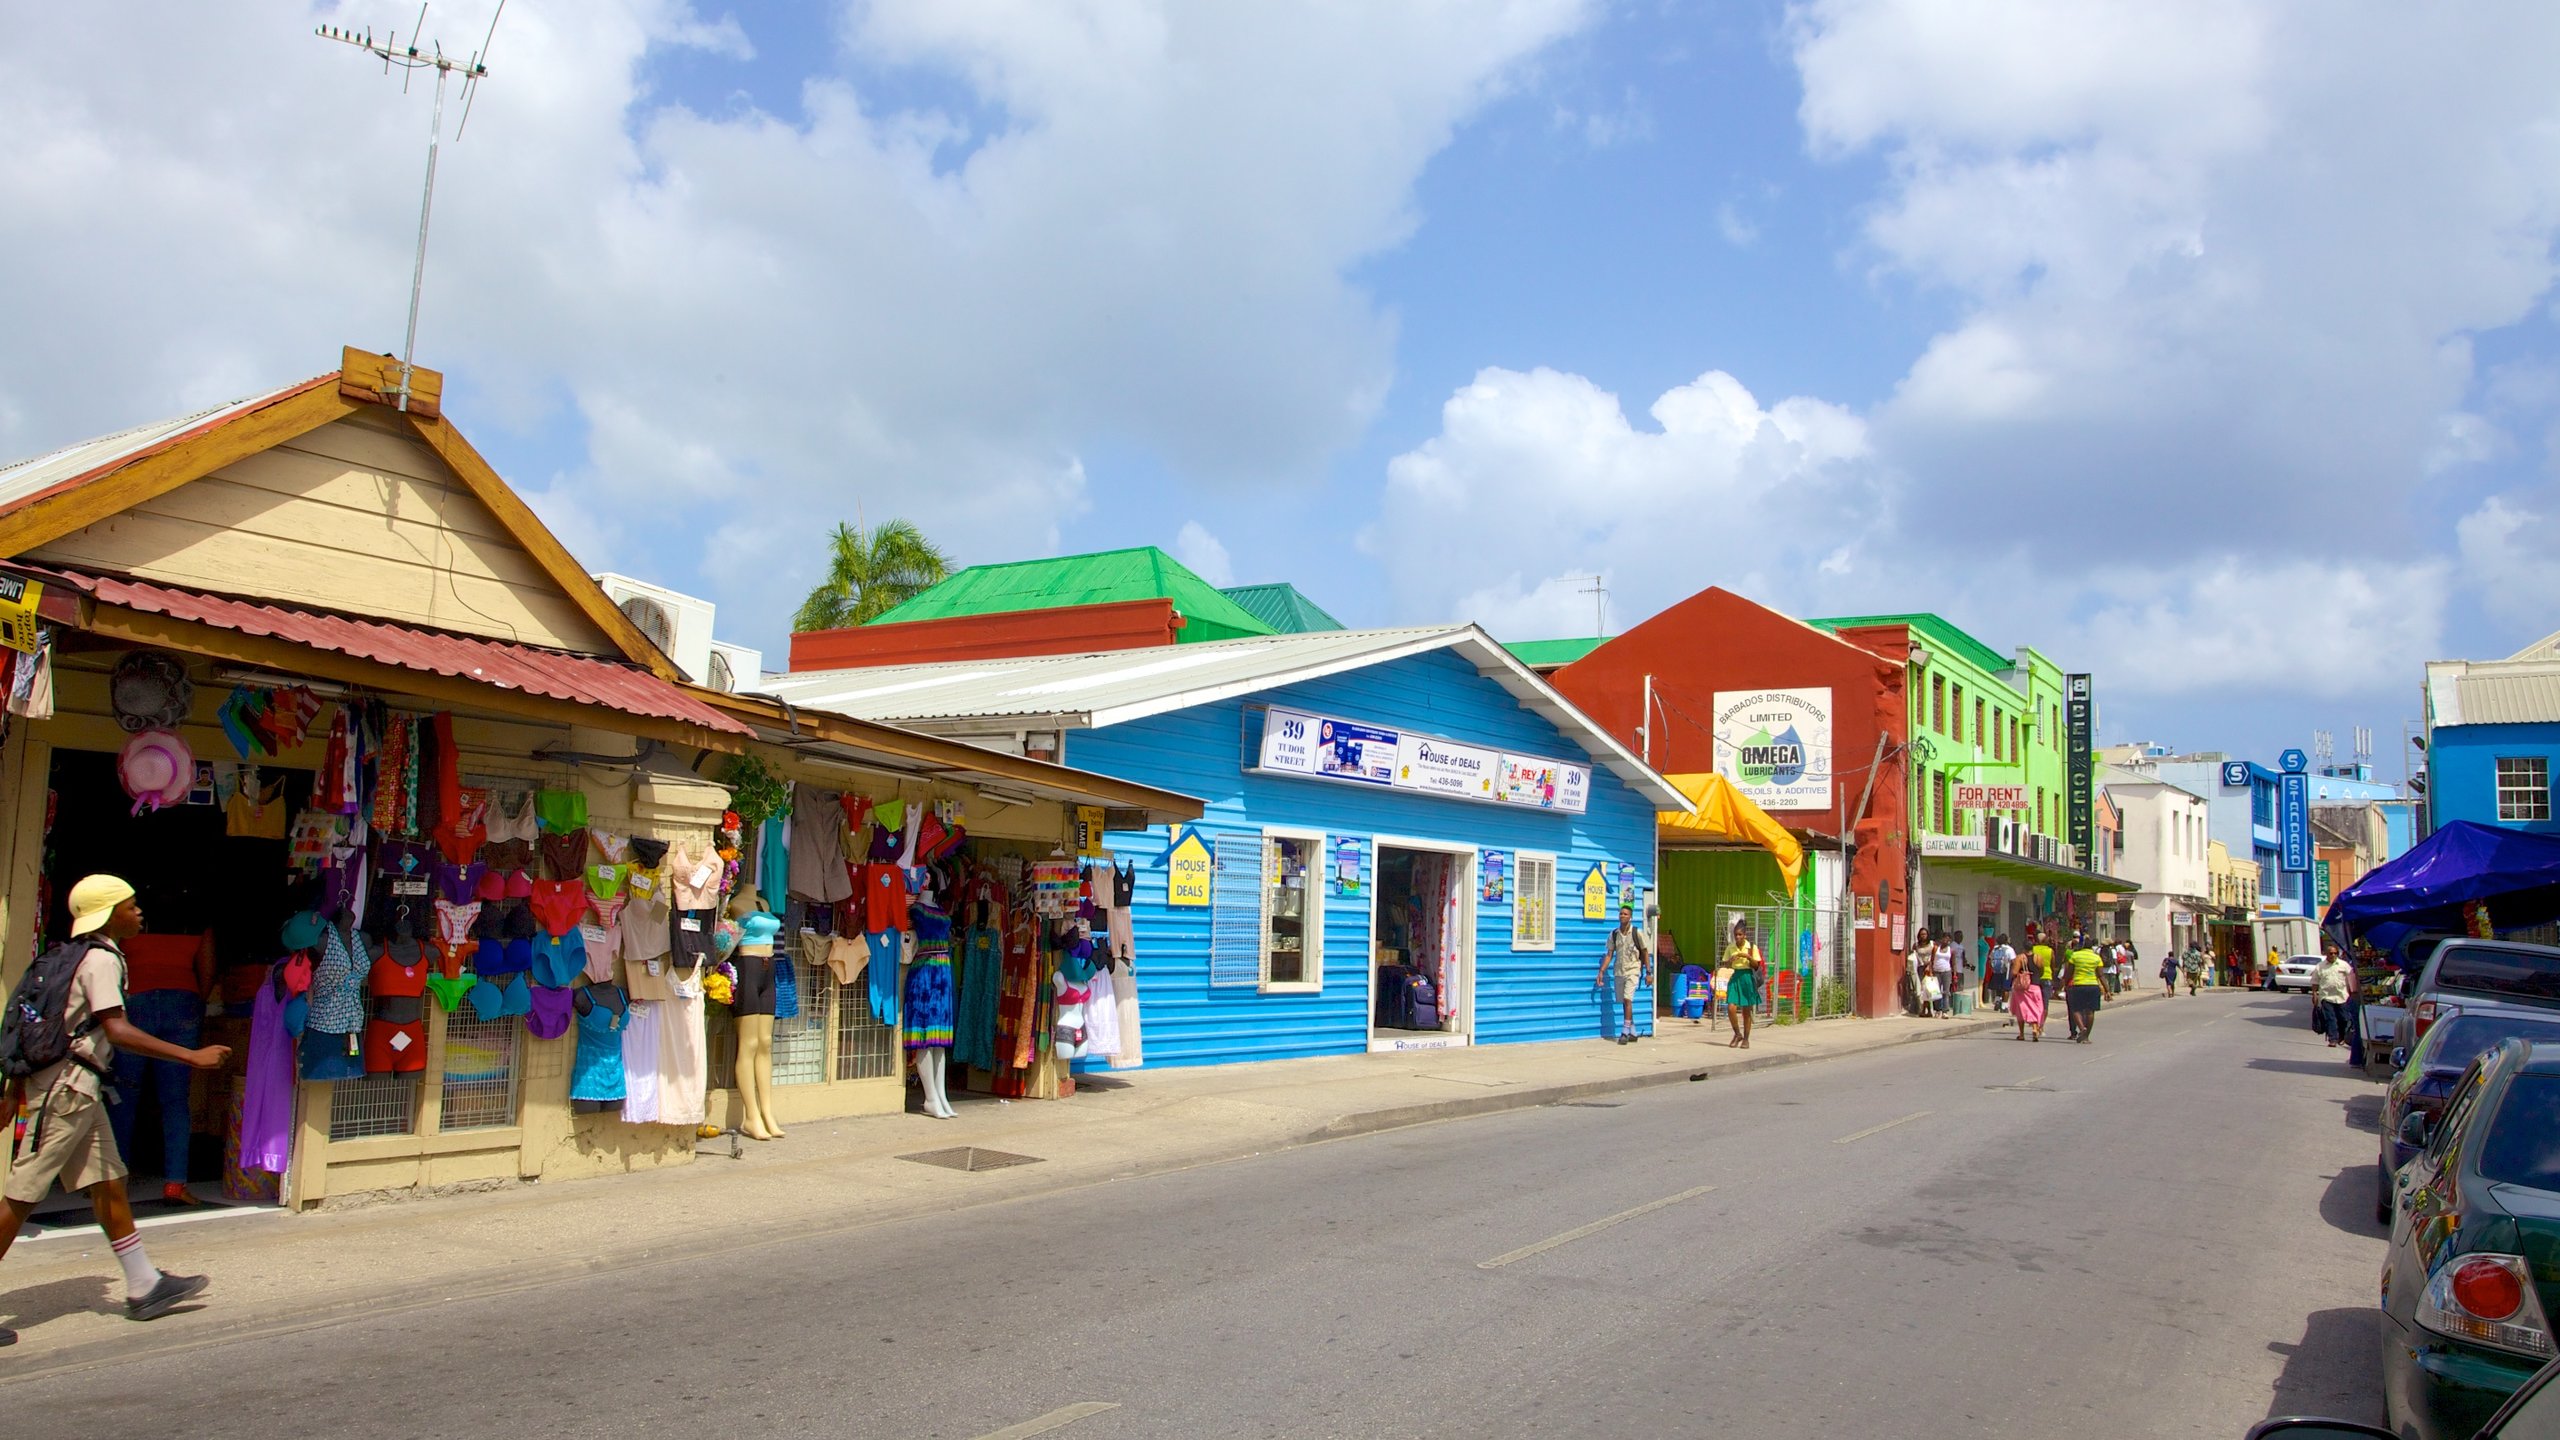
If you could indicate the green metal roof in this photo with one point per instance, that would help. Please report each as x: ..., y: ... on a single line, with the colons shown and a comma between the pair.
x: 1143, y: 573
x: 1938, y: 628
x: 1541, y: 654
x: 1282, y: 607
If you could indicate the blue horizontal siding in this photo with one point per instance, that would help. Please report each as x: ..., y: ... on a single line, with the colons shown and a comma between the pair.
x: 1519, y: 996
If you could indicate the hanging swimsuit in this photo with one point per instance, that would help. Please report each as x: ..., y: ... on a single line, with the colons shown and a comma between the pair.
x: 647, y: 852
x: 457, y: 912
x: 467, y: 828
x: 507, y: 854
x: 559, y: 960
x: 449, y: 989
x: 596, y: 1072
x: 609, y: 847
x: 560, y: 811
x: 604, y: 890
x: 548, y: 1017
x: 564, y: 857
x: 395, y: 1039
x: 506, y: 910
x: 694, y: 876
x: 498, y: 999
x: 559, y: 905
x: 512, y: 819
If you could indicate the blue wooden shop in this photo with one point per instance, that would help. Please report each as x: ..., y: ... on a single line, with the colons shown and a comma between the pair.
x: 1409, y: 840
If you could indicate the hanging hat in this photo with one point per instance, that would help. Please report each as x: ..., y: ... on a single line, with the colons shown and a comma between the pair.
x: 150, y: 691
x: 302, y: 932
x: 156, y: 769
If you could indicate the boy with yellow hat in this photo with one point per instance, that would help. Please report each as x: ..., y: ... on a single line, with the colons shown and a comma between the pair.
x: 67, y: 1135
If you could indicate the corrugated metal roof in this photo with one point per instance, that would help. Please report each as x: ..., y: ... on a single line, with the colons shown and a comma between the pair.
x: 1548, y: 654
x: 1283, y: 607
x: 1141, y: 573
x: 557, y: 675
x: 2512, y: 694
x: 1112, y: 687
x: 26, y: 479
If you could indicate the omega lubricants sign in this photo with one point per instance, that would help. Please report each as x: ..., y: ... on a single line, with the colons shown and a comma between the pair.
x: 1775, y: 746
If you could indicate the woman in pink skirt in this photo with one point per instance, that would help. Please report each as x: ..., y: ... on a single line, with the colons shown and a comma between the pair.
x: 2026, y: 998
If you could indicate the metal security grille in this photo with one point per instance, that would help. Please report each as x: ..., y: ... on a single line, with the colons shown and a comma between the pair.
x: 1235, y: 911
x: 800, y: 1043
x: 479, y: 1073
x: 1811, y: 970
x: 970, y: 1157
x: 865, y: 1048
x: 373, y: 1105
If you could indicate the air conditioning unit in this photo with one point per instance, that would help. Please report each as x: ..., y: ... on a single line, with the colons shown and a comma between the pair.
x: 2004, y: 834
x: 677, y: 624
x: 2044, y: 848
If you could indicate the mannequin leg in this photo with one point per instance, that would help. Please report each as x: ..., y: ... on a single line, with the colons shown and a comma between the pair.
x: 763, y: 1072
x: 929, y: 1070
x: 754, y: 1071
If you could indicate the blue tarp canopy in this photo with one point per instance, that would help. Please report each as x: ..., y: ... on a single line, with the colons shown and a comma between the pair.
x: 2516, y: 873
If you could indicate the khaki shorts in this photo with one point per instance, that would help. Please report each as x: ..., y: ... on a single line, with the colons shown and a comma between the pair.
x: 1627, y: 984
x: 71, y: 1142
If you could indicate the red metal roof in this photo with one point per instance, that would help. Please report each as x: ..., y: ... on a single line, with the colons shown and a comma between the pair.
x: 558, y: 675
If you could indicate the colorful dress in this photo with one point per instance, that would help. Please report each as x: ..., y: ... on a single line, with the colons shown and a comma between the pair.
x: 926, y: 1018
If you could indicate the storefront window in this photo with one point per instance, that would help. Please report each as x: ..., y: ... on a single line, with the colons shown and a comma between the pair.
x: 2524, y: 788
x: 479, y: 1073
x: 1292, y: 902
x: 1533, y: 913
x: 1938, y: 703
x: 1957, y: 709
x: 1977, y: 724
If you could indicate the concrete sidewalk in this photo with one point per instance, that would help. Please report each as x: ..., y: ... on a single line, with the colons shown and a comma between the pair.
x: 274, y: 1273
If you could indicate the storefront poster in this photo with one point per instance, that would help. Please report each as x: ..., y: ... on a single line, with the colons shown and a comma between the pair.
x: 1347, y: 854
x: 1497, y: 884
x: 1864, y: 908
x: 1897, y: 932
x: 1188, y: 866
x: 1324, y: 747
x: 1089, y: 823
x: 1595, y: 895
x: 1626, y: 884
x: 1775, y: 746
x: 1445, y: 767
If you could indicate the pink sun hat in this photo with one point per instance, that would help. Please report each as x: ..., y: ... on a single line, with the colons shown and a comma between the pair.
x: 157, y: 769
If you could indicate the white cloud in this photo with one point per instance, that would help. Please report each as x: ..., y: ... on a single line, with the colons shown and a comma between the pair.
x: 2217, y: 253
x: 1537, y: 480
x: 1737, y: 231
x: 2507, y: 548
x: 1205, y: 554
x: 755, y: 321
x: 2236, y: 625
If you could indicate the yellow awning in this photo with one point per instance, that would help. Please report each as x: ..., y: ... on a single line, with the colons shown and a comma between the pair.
x: 1727, y: 814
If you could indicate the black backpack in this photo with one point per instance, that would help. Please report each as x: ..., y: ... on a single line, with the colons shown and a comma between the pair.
x: 36, y: 1032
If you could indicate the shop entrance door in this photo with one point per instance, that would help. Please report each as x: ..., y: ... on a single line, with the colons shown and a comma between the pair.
x: 1422, y: 949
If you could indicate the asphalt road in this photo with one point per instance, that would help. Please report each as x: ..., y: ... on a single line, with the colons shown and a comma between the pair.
x: 2164, y: 1233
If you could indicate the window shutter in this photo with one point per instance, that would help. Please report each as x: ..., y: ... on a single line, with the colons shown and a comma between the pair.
x: 1235, y: 911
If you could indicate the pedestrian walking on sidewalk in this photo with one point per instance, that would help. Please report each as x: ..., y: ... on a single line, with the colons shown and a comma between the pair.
x: 2330, y: 982
x: 1942, y: 968
x: 1742, y: 995
x: 2169, y: 974
x: 1631, y: 964
x: 1995, y: 982
x: 2045, y: 957
x: 2192, y: 964
x: 1915, y: 974
x: 67, y: 1134
x: 2026, y: 1001
x: 2086, y: 994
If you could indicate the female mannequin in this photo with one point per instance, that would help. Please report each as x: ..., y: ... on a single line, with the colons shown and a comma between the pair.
x: 751, y: 1006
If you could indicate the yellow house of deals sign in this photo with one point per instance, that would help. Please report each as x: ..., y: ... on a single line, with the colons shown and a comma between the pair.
x: 1188, y: 868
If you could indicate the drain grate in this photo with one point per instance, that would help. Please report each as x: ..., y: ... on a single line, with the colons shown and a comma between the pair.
x: 970, y: 1157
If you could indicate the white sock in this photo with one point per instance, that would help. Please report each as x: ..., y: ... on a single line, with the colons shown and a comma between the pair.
x: 139, y: 1276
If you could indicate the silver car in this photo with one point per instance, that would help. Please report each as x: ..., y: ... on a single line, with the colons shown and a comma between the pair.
x: 2294, y: 974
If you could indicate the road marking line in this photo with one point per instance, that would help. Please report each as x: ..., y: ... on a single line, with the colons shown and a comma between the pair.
x: 1594, y: 1228
x: 1058, y: 1419
x: 1878, y: 1129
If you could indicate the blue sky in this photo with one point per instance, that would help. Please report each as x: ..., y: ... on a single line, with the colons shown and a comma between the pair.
x: 2204, y: 344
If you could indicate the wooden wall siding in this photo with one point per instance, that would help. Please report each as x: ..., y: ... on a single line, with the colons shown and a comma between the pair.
x: 350, y: 517
x: 1696, y: 882
x: 1519, y: 996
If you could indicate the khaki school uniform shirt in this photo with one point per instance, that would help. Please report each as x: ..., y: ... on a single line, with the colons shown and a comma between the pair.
x: 96, y: 988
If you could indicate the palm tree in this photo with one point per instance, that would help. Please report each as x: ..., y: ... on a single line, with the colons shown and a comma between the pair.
x: 870, y: 573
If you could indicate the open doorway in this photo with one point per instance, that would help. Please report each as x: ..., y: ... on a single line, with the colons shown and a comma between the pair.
x: 1422, y: 947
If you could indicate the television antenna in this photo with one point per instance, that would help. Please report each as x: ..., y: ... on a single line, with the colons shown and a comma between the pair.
x: 409, y: 60
x: 1598, y: 590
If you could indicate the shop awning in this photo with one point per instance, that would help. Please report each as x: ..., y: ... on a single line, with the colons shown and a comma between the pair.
x: 1724, y: 813
x: 2026, y: 871
x: 2514, y: 873
x: 452, y: 669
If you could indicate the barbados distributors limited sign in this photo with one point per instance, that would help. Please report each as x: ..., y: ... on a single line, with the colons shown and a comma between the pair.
x: 1775, y: 746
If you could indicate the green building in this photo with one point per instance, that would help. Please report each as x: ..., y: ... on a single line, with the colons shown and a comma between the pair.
x: 1141, y: 573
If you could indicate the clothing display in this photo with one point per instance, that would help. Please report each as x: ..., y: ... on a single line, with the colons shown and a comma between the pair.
x: 817, y: 858
x: 752, y: 989
x: 266, y: 1085
x: 640, y: 1031
x: 683, y: 1058
x: 927, y: 1014
x: 596, y: 1072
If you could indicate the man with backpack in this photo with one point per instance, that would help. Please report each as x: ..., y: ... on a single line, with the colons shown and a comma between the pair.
x: 55, y: 1043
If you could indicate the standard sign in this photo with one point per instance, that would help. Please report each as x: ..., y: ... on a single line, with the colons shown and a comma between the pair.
x: 1324, y: 747
x: 1775, y: 746
x: 1990, y: 797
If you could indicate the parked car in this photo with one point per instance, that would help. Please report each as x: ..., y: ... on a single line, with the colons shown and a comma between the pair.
x: 2463, y: 973
x: 2468, y: 1315
x: 2294, y: 974
x: 2532, y: 1413
x: 2425, y: 1076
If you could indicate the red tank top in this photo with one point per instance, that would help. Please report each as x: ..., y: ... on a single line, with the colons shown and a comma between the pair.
x: 161, y: 962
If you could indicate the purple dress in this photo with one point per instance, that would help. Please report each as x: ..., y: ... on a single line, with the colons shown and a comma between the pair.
x: 266, y: 1092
